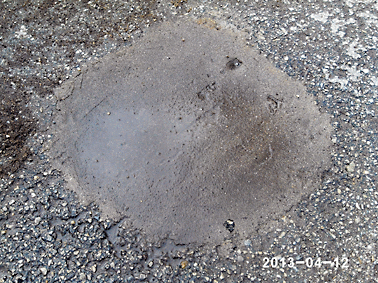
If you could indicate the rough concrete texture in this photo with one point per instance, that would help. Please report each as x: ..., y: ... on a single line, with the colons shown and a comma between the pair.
x: 186, y: 129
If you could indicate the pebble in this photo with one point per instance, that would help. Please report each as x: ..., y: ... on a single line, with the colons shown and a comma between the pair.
x: 351, y: 167
x: 43, y: 270
x: 184, y: 264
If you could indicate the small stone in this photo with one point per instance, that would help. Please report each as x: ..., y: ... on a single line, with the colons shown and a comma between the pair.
x: 184, y: 264
x: 43, y: 270
x: 350, y: 168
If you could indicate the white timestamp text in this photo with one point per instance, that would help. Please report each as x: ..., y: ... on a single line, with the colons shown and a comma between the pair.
x: 308, y: 262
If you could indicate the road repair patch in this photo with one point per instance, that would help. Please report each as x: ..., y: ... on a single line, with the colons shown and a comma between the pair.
x: 186, y: 130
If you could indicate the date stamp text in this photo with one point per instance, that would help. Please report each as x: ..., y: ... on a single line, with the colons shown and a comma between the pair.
x: 308, y: 262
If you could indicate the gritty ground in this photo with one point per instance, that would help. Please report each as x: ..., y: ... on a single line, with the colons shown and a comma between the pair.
x: 16, y: 126
x: 46, y: 235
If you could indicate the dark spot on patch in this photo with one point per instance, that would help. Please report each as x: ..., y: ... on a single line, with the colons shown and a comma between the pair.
x: 206, y: 91
x: 233, y: 64
x: 274, y: 103
x: 229, y: 225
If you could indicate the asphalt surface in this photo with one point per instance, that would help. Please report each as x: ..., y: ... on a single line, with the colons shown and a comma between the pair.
x: 46, y: 235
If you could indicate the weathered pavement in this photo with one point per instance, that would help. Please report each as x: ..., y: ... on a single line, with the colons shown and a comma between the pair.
x: 47, y: 235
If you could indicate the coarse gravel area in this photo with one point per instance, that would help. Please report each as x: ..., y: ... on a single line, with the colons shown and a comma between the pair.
x: 46, y: 235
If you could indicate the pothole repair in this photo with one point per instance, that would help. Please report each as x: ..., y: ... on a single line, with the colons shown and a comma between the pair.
x: 187, y: 129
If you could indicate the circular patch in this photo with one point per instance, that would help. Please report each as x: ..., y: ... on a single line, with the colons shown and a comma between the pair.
x: 186, y: 129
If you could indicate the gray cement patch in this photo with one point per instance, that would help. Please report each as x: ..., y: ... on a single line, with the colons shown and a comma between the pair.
x: 186, y: 129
